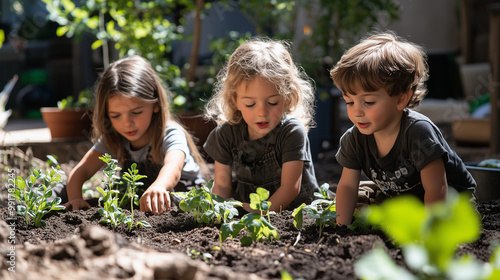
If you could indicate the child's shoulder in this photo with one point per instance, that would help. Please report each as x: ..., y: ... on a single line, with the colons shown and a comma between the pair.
x: 290, y: 121
x: 416, y: 119
x: 172, y: 128
x: 352, y: 135
x: 416, y: 116
x: 290, y: 125
x: 418, y: 126
x: 229, y: 130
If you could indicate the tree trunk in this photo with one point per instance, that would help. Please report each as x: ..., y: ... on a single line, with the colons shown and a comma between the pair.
x: 193, y: 59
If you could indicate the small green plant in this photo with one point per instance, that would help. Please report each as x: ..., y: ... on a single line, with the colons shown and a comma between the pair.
x: 207, y: 207
x: 285, y: 275
x: 34, y: 192
x: 255, y: 224
x: 195, y: 254
x: 132, y: 177
x: 322, y: 209
x: 428, y: 236
x: 84, y: 100
x: 111, y: 212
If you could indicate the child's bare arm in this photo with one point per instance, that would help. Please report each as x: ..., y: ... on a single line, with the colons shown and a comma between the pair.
x: 347, y: 195
x: 156, y: 198
x: 83, y: 171
x: 291, y: 177
x: 434, y: 182
x: 223, y: 185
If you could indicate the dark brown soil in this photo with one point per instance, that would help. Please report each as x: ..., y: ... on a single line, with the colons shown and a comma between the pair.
x: 74, y: 245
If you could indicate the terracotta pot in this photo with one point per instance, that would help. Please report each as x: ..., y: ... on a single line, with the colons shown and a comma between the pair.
x: 67, y: 123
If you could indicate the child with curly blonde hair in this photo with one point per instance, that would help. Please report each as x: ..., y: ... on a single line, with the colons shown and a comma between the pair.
x: 263, y: 105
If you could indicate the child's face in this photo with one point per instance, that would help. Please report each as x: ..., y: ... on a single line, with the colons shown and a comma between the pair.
x: 261, y: 106
x: 374, y: 112
x: 131, y: 118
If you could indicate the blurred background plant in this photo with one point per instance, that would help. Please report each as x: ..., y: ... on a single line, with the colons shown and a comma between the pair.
x: 84, y: 100
x: 188, y: 41
x: 148, y: 29
x: 338, y: 25
x: 2, y: 37
x: 152, y: 28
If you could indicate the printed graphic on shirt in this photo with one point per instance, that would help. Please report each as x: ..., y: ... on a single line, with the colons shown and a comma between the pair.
x: 396, y: 179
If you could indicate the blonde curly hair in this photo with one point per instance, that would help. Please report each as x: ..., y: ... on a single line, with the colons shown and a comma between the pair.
x: 387, y: 61
x: 271, y: 60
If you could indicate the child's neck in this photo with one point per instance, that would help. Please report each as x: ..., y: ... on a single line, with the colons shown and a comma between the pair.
x: 386, y: 138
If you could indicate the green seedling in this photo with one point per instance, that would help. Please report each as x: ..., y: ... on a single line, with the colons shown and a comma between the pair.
x: 322, y: 209
x: 195, y: 254
x: 285, y: 275
x: 84, y: 100
x: 111, y: 213
x: 206, y: 206
x: 34, y: 192
x: 132, y: 178
x: 428, y: 236
x: 256, y: 224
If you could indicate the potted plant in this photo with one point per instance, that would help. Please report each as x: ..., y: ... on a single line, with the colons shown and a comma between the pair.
x: 71, y: 119
x: 149, y: 29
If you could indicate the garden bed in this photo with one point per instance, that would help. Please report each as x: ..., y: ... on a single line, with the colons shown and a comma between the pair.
x: 73, y: 243
x: 175, y: 247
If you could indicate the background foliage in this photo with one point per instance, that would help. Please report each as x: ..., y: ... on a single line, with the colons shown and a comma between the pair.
x: 151, y: 28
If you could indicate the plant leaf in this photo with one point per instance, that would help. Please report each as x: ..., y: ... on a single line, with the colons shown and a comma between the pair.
x: 402, y: 217
x: 144, y: 224
x: 58, y: 207
x: 254, y: 201
x: 21, y: 210
x: 457, y: 216
x: 246, y: 241
x: 377, y: 265
x: 298, y: 216
x: 263, y: 193
x: 99, y: 189
x: 230, y: 229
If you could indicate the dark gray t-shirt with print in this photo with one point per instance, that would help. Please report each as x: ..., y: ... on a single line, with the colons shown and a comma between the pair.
x: 418, y: 143
x: 258, y: 163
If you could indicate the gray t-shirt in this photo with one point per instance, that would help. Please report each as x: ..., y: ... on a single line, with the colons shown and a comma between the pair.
x: 174, y: 139
x: 258, y: 162
x: 418, y: 143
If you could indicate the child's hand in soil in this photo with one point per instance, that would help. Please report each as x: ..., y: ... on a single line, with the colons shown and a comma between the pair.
x: 155, y: 200
x: 76, y: 204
